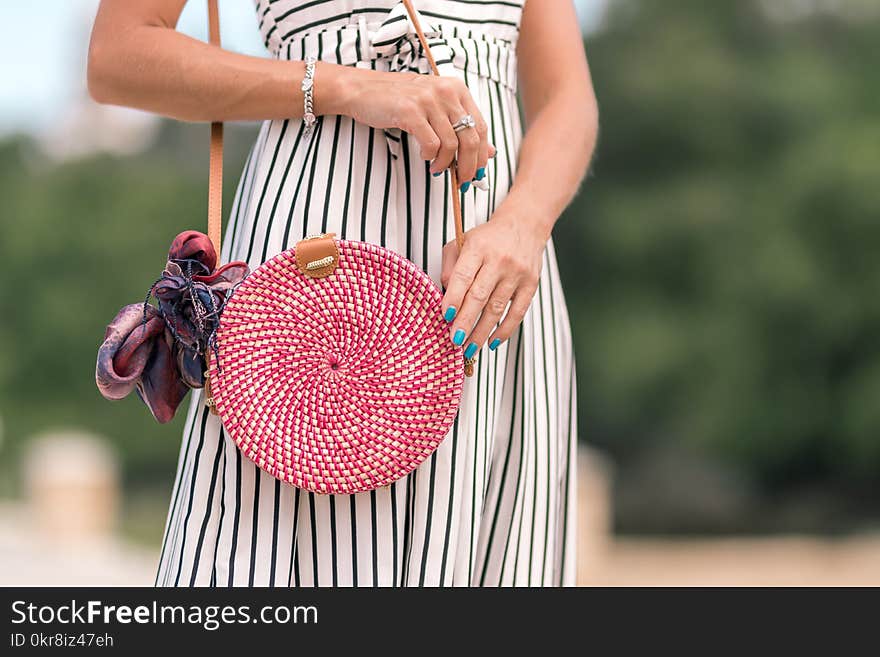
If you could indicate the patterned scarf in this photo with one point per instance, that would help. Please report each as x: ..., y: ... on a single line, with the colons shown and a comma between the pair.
x: 161, y: 351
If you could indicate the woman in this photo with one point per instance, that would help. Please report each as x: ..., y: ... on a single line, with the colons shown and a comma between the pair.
x: 494, y: 505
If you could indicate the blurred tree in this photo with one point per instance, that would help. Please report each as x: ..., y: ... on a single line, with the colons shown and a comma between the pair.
x: 720, y: 262
x: 78, y: 241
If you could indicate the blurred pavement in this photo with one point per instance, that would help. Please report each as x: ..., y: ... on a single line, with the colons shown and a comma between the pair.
x: 82, y: 549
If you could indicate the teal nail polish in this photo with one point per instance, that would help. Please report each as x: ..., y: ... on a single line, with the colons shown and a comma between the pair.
x: 471, y: 350
x: 449, y: 315
x: 494, y: 345
x: 437, y: 173
x: 481, y: 173
x: 464, y: 186
x: 458, y: 338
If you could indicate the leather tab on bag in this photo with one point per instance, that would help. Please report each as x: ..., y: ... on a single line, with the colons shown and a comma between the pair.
x: 317, y: 257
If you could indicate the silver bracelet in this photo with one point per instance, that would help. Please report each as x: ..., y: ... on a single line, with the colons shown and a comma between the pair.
x: 307, y: 86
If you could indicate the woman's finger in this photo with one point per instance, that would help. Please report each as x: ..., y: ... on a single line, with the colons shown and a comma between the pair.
x: 426, y: 137
x: 464, y: 271
x: 519, y: 305
x: 473, y: 304
x: 492, y: 312
x: 457, y: 102
x: 482, y: 133
x: 468, y: 151
x: 448, y: 142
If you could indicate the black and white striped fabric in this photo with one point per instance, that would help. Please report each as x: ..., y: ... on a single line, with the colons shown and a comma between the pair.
x: 495, y: 504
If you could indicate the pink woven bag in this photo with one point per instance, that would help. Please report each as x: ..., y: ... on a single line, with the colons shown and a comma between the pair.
x: 333, y: 371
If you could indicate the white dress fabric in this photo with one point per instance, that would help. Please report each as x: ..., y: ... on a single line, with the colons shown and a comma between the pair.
x: 495, y: 504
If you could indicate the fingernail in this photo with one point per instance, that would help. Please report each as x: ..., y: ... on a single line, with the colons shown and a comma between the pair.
x: 458, y: 338
x: 494, y: 345
x: 464, y: 186
x: 471, y: 350
x: 481, y: 172
x: 437, y: 173
x: 449, y: 315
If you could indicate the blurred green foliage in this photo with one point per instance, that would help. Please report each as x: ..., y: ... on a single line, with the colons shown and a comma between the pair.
x: 78, y: 241
x: 719, y: 265
x: 721, y: 260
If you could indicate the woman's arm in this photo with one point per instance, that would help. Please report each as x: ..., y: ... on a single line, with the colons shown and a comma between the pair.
x: 501, y: 260
x: 138, y: 59
x: 561, y: 112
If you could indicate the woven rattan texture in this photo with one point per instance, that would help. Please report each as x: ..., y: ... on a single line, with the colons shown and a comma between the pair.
x: 337, y: 385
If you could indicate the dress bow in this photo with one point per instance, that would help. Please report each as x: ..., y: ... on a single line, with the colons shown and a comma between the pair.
x: 396, y: 41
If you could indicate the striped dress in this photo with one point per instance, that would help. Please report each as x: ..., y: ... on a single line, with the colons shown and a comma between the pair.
x: 495, y: 504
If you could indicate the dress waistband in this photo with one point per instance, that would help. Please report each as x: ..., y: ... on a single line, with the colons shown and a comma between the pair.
x: 392, y: 44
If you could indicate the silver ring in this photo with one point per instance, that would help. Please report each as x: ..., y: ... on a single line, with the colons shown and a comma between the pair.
x: 467, y: 121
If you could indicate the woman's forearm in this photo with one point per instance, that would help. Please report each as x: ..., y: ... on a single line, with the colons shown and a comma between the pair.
x: 561, y: 112
x: 158, y: 69
x: 554, y: 157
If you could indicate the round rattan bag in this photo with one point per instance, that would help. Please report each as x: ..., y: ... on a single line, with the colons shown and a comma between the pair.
x: 332, y: 367
x: 334, y: 370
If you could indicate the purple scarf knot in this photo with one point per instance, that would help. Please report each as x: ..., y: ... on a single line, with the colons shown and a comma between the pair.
x: 160, y: 352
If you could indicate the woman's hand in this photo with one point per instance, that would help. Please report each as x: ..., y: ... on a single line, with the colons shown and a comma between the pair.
x: 425, y: 106
x: 499, y: 264
x: 501, y: 259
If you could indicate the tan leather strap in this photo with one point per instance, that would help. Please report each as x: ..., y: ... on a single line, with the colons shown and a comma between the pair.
x: 453, y: 176
x: 215, y: 159
x: 215, y: 186
x: 215, y: 165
